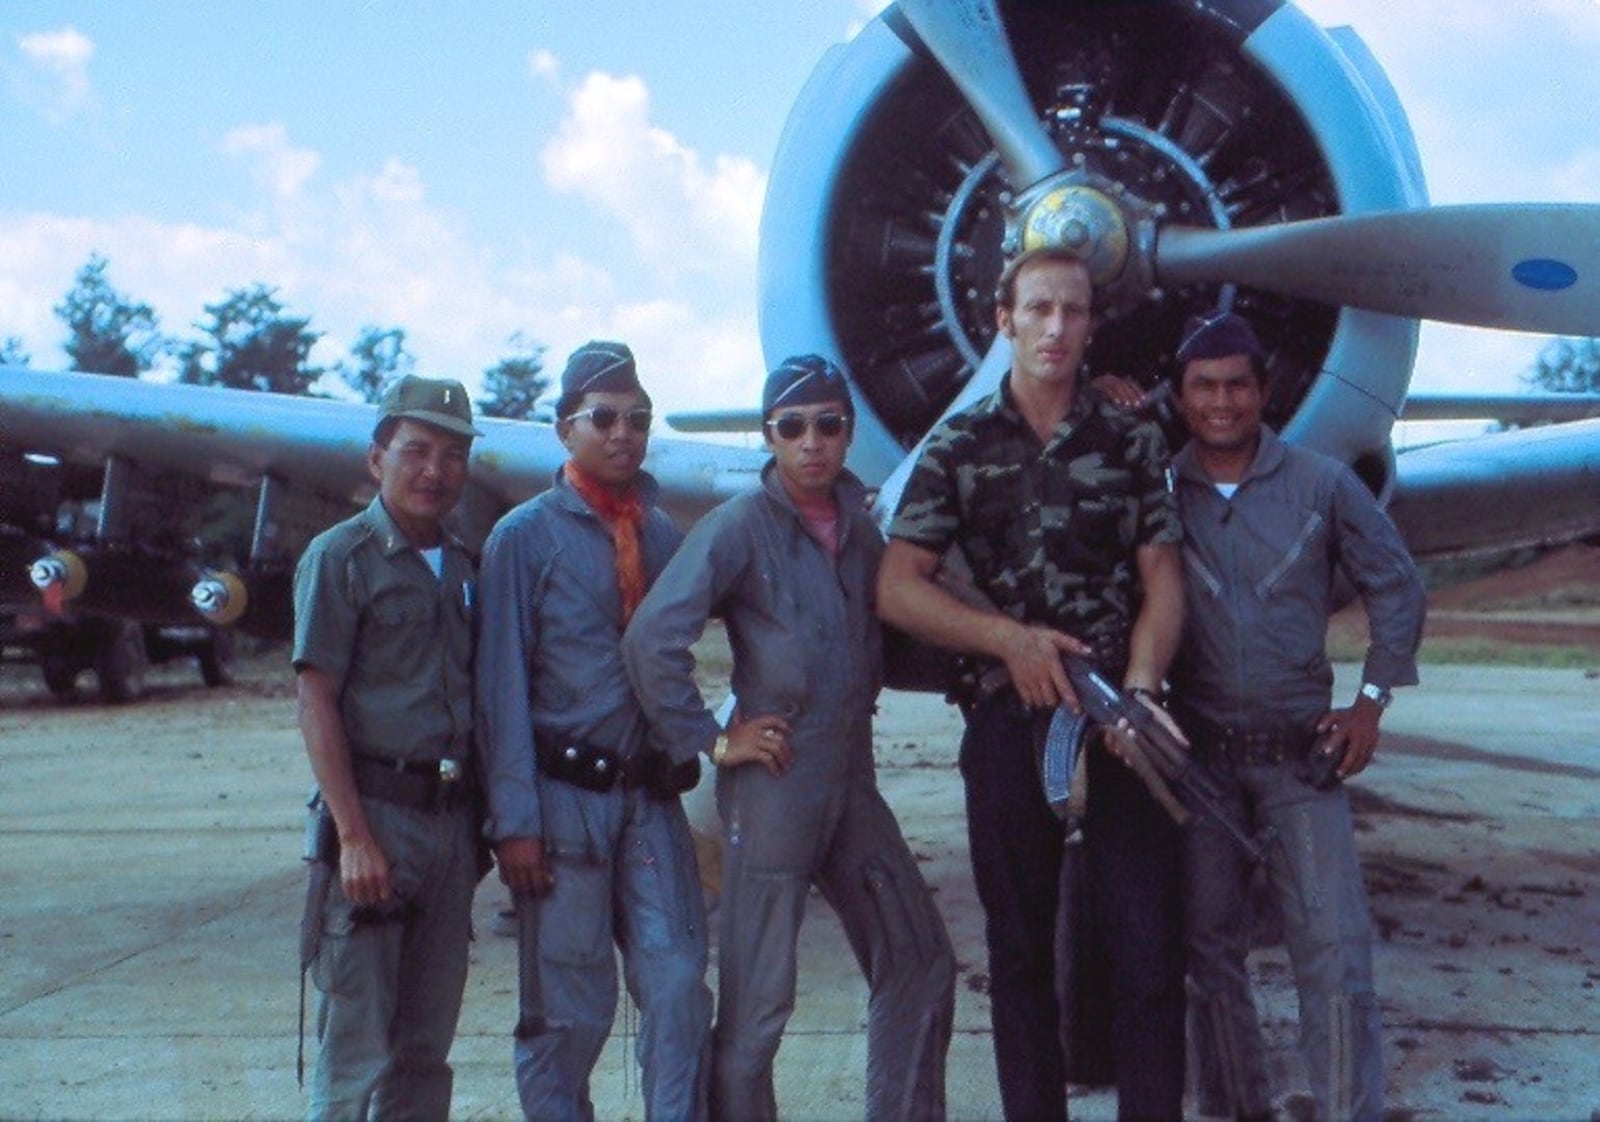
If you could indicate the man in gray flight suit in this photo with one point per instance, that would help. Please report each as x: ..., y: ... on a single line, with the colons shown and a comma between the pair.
x: 791, y: 569
x: 1267, y: 526
x: 382, y: 654
x: 584, y: 814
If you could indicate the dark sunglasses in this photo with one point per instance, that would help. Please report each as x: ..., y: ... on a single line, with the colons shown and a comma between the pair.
x: 792, y: 426
x: 603, y: 417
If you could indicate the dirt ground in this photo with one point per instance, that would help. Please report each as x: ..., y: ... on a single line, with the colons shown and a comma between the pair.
x: 149, y: 884
x: 1546, y: 612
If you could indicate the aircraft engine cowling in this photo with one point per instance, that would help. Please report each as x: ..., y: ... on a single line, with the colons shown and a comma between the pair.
x: 886, y: 209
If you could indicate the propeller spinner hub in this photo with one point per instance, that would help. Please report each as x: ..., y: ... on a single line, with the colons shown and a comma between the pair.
x: 1079, y: 218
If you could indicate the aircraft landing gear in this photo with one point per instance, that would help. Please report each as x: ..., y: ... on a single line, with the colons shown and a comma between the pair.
x: 216, y: 659
x: 60, y: 675
x: 120, y: 661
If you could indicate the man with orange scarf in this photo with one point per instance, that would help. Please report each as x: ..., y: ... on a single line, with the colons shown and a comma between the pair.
x: 584, y: 813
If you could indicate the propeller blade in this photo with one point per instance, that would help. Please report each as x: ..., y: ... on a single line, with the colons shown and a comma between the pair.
x: 984, y: 381
x: 1533, y: 267
x: 967, y: 39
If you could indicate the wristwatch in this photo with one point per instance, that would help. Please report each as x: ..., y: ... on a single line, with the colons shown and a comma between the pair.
x: 1377, y: 694
x: 719, y: 750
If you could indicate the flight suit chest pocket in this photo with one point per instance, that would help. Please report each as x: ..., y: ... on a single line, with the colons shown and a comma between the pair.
x: 1301, y: 541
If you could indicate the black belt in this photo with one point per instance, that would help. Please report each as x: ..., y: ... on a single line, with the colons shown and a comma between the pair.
x: 430, y: 785
x: 1247, y: 745
x: 600, y: 769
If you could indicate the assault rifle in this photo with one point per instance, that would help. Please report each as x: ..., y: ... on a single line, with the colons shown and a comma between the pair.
x: 1157, y: 757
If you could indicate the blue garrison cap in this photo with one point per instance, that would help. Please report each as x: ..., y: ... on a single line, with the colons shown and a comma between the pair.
x: 1219, y: 334
x: 599, y: 367
x: 804, y: 380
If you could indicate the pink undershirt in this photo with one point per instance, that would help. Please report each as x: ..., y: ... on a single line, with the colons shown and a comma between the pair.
x: 821, y: 518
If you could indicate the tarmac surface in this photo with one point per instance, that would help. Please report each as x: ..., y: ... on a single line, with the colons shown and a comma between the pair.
x: 150, y: 890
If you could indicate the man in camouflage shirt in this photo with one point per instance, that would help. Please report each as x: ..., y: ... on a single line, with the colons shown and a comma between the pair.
x: 1060, y: 503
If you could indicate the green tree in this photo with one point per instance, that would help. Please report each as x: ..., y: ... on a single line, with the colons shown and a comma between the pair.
x: 13, y: 352
x: 378, y: 358
x: 1567, y: 366
x: 252, y: 345
x: 107, y: 333
x: 512, y: 386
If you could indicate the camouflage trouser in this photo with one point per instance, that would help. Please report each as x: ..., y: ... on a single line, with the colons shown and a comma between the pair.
x: 781, y: 835
x: 625, y: 871
x: 390, y: 984
x: 1316, y: 877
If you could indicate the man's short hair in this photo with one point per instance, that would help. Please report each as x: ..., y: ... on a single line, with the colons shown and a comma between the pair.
x: 1005, y: 291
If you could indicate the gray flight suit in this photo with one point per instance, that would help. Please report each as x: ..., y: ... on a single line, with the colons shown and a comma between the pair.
x: 550, y: 676
x: 806, y: 645
x: 370, y: 613
x: 1259, y: 573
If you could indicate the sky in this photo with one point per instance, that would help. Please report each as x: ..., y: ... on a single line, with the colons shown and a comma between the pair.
x: 560, y: 172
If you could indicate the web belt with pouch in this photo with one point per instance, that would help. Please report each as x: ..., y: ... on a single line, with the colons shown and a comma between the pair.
x: 598, y: 769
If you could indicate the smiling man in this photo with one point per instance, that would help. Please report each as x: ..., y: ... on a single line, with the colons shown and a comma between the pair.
x: 790, y: 568
x: 584, y: 810
x: 383, y: 652
x: 1268, y: 527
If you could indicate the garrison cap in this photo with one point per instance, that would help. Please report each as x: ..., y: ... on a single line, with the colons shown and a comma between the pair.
x: 1219, y: 334
x: 600, y: 367
x: 804, y: 380
x: 440, y: 402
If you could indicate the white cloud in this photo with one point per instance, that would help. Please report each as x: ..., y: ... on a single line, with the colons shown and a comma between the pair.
x: 678, y: 211
x: 544, y: 65
x: 279, y: 166
x: 57, y: 84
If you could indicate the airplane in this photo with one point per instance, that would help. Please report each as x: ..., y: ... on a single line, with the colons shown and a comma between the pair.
x: 1197, y: 153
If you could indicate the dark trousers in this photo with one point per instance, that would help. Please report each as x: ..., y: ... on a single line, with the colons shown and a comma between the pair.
x: 1134, y: 867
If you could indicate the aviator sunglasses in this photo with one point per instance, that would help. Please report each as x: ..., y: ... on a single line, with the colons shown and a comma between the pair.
x: 792, y: 426
x: 603, y: 417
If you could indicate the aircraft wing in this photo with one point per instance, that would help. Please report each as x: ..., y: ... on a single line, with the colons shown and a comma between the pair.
x: 717, y: 420
x: 319, y: 446
x: 1527, y: 487
x: 139, y: 448
x: 225, y: 436
x: 1513, y: 409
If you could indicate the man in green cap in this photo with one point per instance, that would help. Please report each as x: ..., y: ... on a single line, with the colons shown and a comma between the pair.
x: 382, y: 655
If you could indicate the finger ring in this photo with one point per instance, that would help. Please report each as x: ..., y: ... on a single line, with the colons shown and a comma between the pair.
x: 767, y: 734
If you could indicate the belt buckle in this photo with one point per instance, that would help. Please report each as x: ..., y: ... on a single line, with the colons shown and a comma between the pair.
x: 450, y: 771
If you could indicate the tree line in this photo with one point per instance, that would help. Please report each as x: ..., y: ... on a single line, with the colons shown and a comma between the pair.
x: 249, y: 341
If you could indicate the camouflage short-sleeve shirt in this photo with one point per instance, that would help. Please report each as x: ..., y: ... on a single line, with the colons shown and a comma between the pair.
x: 1050, y: 530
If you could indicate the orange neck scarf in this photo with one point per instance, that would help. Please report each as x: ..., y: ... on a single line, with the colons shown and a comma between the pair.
x: 623, y: 515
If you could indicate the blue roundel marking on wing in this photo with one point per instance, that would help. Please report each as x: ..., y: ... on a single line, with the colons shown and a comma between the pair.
x: 1544, y: 274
